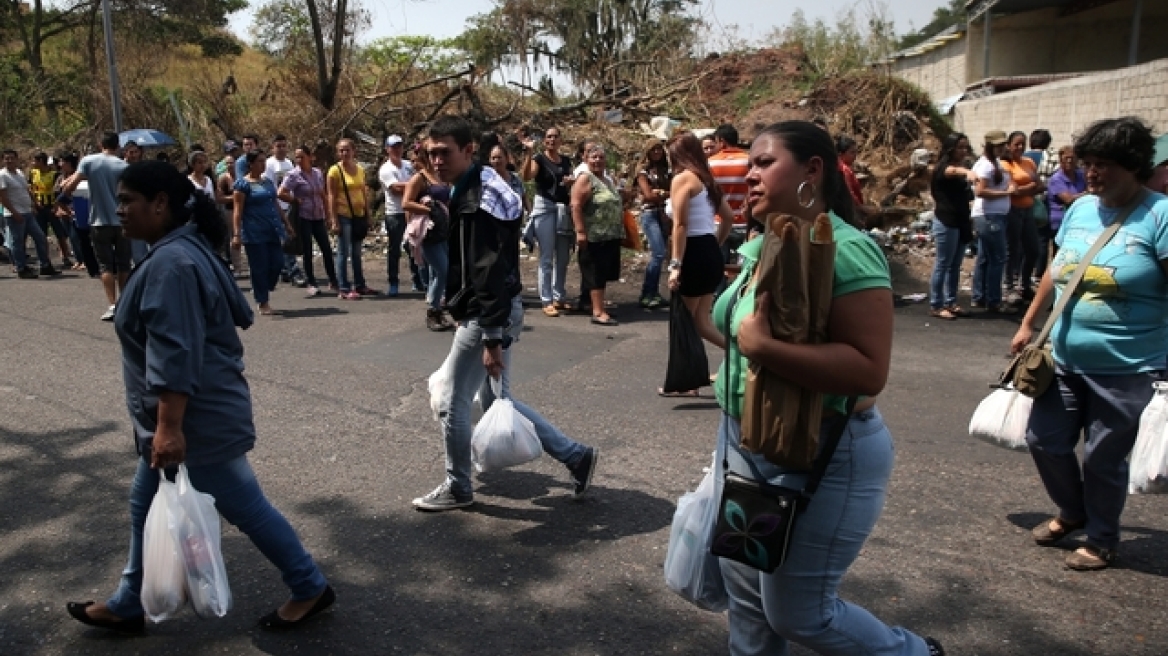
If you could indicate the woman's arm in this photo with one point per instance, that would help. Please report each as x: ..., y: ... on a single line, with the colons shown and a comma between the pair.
x: 684, y: 187
x: 169, y: 445
x: 981, y: 188
x: 413, y: 191
x: 581, y: 194
x: 727, y: 220
x: 854, y: 363
x: 285, y: 194
x: 529, y: 168
x: 238, y: 198
x: 332, y: 184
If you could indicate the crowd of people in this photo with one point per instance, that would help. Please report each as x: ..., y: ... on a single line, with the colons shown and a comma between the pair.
x: 456, y: 210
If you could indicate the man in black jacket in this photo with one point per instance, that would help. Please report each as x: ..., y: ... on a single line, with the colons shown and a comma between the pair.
x: 483, y: 291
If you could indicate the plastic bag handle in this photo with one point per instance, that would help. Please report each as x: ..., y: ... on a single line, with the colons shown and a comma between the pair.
x: 497, y: 386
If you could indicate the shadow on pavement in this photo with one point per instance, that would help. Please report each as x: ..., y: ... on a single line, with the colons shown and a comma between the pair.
x: 326, y: 311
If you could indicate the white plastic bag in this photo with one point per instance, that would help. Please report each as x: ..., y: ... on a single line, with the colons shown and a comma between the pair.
x: 440, y: 390
x: 1148, y: 471
x: 197, y: 535
x: 690, y: 569
x: 503, y: 437
x: 1001, y: 418
x: 164, y: 578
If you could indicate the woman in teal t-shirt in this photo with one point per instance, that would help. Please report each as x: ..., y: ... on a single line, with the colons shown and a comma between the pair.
x: 794, y: 171
x: 1109, y: 344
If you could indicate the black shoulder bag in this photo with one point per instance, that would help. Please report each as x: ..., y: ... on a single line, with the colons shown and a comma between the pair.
x: 755, y: 518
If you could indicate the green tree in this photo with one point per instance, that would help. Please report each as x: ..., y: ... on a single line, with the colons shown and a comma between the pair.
x: 944, y: 17
x: 586, y: 39
x: 832, y: 50
x: 313, y: 35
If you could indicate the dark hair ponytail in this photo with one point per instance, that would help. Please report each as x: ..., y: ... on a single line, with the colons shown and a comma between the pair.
x: 186, y: 204
x: 806, y: 140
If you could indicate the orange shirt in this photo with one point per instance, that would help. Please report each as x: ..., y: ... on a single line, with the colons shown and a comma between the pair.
x: 1022, y: 172
x: 730, y: 168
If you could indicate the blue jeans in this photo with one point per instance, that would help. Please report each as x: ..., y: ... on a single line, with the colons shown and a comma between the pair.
x: 437, y: 257
x: 946, y: 266
x: 1106, y: 410
x: 799, y: 602
x: 1021, y: 247
x: 395, y: 229
x: 651, y: 228
x: 468, y: 376
x: 240, y: 501
x: 266, y: 260
x: 348, y: 250
x: 19, y: 231
x: 555, y: 251
x: 991, y: 258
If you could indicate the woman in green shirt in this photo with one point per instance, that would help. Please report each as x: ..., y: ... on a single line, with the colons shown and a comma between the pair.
x: 794, y: 170
x: 598, y: 213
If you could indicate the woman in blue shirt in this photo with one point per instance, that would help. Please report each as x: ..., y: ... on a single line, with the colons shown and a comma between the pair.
x: 188, y: 400
x: 1109, y: 344
x: 261, y: 227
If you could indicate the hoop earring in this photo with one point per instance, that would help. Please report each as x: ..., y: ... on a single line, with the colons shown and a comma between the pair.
x: 799, y: 195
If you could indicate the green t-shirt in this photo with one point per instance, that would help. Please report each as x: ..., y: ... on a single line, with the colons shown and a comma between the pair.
x: 859, y: 265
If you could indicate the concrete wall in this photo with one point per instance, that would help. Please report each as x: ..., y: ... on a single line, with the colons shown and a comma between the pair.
x: 1066, y: 107
x: 941, y: 71
x: 1037, y: 42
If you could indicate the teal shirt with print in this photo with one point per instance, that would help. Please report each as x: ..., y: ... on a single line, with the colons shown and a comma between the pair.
x: 1118, y: 318
x: 859, y: 265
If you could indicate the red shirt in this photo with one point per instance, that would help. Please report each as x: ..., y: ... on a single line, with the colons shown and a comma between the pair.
x: 730, y: 168
x: 852, y: 183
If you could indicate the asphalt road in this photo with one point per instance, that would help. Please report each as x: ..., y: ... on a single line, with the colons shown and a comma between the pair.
x: 347, y: 439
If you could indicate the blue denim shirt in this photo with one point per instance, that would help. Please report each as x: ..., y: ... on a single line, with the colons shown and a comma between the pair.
x: 176, y: 321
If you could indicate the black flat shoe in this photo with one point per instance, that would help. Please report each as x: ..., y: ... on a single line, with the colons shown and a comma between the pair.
x: 134, y: 625
x: 273, y: 622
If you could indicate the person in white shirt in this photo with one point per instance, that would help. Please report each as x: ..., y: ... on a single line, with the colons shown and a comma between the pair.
x: 277, y: 167
x: 18, y: 209
x: 394, y: 174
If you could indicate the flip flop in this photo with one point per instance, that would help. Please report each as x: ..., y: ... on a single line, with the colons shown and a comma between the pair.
x: 691, y: 394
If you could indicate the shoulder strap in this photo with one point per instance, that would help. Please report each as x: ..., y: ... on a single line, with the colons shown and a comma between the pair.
x: 345, y: 186
x: 1081, y: 270
x: 827, y: 448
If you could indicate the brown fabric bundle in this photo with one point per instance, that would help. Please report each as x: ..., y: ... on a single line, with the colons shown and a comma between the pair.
x: 780, y: 419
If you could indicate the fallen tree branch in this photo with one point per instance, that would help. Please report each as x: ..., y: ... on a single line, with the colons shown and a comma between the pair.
x: 470, y: 69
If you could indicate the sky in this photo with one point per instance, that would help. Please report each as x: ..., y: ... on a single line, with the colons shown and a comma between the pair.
x: 751, y: 18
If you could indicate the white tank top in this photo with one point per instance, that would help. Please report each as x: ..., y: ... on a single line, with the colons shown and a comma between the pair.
x: 701, y: 216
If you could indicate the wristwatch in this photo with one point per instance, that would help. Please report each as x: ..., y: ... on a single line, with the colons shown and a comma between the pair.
x: 675, y: 264
x: 492, y: 343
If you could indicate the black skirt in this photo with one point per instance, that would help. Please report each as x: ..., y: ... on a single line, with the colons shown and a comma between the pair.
x: 600, y: 263
x: 702, y: 268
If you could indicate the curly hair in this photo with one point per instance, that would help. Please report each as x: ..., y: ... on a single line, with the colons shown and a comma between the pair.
x: 1127, y: 141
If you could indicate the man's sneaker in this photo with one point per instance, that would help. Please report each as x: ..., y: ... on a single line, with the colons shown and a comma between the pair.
x: 28, y: 273
x: 935, y: 648
x: 656, y: 302
x: 392, y: 291
x: 312, y: 292
x: 583, y: 470
x: 300, y: 281
x: 109, y: 314
x: 442, y: 498
x: 49, y: 271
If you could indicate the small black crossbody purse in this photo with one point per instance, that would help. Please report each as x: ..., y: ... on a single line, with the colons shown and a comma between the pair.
x: 755, y: 518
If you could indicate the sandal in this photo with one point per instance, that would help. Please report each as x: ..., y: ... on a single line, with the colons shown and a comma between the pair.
x: 957, y: 311
x: 1046, y: 536
x: 690, y: 394
x: 943, y: 313
x: 551, y: 311
x: 1089, y: 558
x: 605, y: 321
